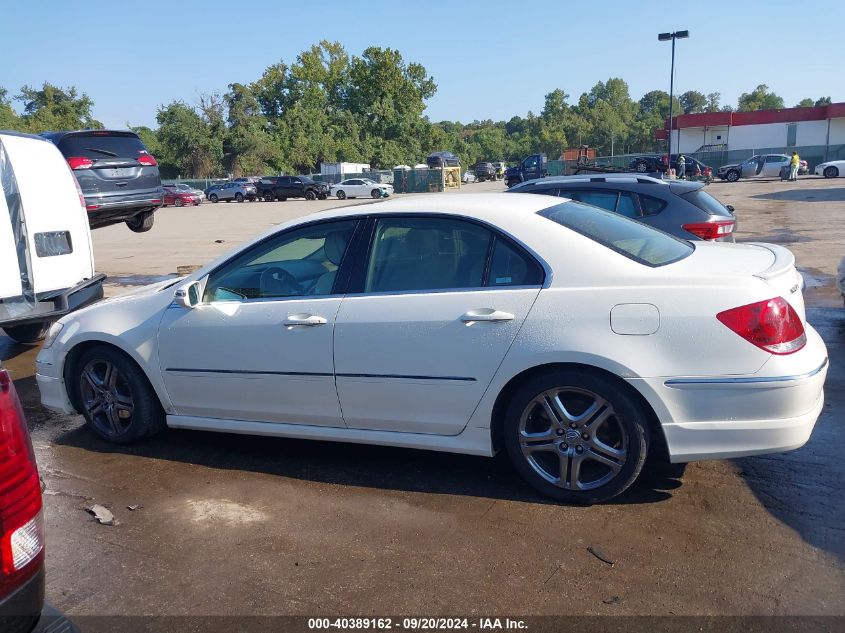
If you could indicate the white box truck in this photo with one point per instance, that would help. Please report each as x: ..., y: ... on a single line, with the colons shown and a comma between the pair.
x: 46, y: 257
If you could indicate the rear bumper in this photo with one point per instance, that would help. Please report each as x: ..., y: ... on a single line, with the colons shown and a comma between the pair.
x: 105, y: 210
x: 56, y: 306
x: 717, y: 417
x: 24, y: 611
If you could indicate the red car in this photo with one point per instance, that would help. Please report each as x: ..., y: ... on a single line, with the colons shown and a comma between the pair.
x: 179, y: 197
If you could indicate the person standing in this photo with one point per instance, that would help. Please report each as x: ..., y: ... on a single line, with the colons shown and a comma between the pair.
x: 682, y: 166
x: 794, y: 162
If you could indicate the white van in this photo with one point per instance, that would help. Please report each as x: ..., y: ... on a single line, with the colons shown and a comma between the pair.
x: 46, y: 259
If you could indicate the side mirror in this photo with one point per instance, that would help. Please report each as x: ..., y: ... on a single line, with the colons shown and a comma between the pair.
x: 730, y: 208
x: 188, y: 296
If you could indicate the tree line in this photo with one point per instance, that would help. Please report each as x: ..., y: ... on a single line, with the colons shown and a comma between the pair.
x: 328, y: 106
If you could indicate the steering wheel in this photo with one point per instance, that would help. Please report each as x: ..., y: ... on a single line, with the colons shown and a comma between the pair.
x: 277, y: 282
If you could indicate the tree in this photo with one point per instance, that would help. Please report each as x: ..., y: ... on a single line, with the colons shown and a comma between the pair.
x: 246, y: 146
x: 823, y: 101
x: 759, y: 99
x: 693, y: 101
x: 54, y: 108
x: 9, y: 119
x: 187, y: 148
x: 713, y: 99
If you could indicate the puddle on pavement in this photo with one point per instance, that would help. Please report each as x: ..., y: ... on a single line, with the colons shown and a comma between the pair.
x: 820, y: 290
x: 138, y: 280
x: 778, y: 236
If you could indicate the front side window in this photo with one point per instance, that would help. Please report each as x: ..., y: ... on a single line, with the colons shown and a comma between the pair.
x: 296, y: 263
x: 411, y: 254
x: 630, y: 238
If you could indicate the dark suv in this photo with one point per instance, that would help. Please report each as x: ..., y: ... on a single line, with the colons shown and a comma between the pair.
x: 484, y: 171
x: 283, y: 187
x: 678, y: 207
x: 117, y: 175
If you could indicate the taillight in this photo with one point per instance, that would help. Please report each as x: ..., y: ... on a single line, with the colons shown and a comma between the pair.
x: 711, y: 230
x: 146, y: 159
x: 80, y: 162
x: 21, y: 529
x: 772, y: 325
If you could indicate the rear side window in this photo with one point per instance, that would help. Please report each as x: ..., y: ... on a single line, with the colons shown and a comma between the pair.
x: 601, y: 199
x: 630, y: 238
x: 651, y: 206
x: 706, y: 202
x: 102, y: 145
x: 511, y: 267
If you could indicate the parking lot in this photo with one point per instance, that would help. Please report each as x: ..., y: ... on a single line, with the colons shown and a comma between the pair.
x: 325, y: 528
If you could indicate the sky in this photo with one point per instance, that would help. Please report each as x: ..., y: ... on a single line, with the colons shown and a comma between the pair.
x: 131, y: 58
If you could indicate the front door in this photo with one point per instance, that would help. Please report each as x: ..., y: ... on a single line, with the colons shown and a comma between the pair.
x: 440, y: 303
x: 259, y: 346
x: 752, y: 167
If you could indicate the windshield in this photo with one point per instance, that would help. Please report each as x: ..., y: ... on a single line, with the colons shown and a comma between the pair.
x: 634, y: 240
x: 102, y: 145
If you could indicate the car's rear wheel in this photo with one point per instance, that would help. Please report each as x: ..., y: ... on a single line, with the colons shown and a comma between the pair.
x: 178, y: 202
x: 268, y: 197
x: 831, y: 172
x: 310, y: 195
x: 115, y: 397
x: 341, y: 195
x: 213, y: 197
x: 142, y: 222
x: 239, y: 197
x: 576, y: 436
x: 642, y: 167
x: 28, y: 333
x: 376, y: 193
x: 732, y: 175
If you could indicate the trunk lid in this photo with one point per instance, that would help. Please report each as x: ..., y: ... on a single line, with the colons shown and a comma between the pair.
x: 772, y: 263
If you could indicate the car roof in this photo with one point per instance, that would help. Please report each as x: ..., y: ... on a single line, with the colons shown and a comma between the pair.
x: 57, y: 136
x: 607, y: 181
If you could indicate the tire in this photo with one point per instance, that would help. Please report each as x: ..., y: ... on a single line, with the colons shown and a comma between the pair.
x: 341, y: 195
x: 142, y: 222
x: 268, y: 197
x: 28, y: 333
x: 239, y: 197
x: 732, y: 175
x: 830, y: 172
x: 641, y: 167
x: 178, y: 202
x: 310, y: 195
x: 213, y: 197
x: 609, y: 447
x: 376, y: 194
x: 322, y: 196
x: 114, y: 396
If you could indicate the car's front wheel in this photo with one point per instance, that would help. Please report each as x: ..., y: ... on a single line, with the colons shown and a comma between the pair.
x: 576, y: 436
x: 376, y: 193
x: 213, y: 197
x: 732, y: 175
x: 310, y: 195
x: 239, y: 197
x: 142, y: 222
x: 642, y: 167
x: 115, y: 397
x: 831, y: 172
x: 341, y: 195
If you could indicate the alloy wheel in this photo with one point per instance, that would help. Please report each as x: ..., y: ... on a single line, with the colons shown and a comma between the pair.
x: 106, y: 397
x: 573, y: 438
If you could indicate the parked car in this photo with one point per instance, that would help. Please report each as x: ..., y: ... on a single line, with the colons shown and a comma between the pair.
x: 118, y: 176
x: 359, y: 188
x: 681, y: 208
x: 484, y: 171
x: 179, y: 197
x: 468, y: 176
x: 181, y: 186
x: 573, y: 338
x: 22, y: 606
x: 758, y: 166
x: 283, y: 187
x: 442, y: 159
x: 840, y: 279
x: 830, y: 169
x: 529, y: 168
x: 657, y: 164
x: 46, y: 258
x: 228, y: 191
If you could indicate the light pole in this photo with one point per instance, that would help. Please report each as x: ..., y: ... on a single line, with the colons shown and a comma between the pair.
x: 665, y: 37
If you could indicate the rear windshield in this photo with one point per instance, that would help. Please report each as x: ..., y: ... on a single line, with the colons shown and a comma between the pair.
x: 634, y: 240
x: 110, y: 145
x: 706, y: 202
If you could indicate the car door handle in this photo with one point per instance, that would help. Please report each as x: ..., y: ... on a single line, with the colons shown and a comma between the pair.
x: 308, y: 320
x: 486, y: 314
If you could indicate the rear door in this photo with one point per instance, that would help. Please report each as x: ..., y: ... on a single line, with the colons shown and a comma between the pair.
x: 440, y: 301
x: 117, y: 163
x: 771, y: 168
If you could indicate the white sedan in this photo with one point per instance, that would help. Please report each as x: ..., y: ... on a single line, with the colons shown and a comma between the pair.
x: 573, y: 338
x: 361, y: 187
x: 830, y: 169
